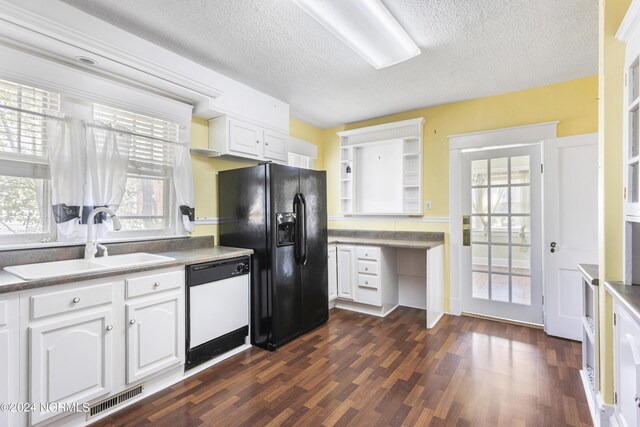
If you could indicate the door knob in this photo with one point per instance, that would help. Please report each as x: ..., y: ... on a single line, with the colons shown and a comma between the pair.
x: 132, y: 321
x: 553, y: 246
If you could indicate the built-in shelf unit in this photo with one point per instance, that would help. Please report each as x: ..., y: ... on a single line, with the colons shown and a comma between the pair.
x: 590, y: 373
x: 381, y: 169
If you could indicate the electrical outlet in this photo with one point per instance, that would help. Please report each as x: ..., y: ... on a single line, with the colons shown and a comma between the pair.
x: 427, y: 205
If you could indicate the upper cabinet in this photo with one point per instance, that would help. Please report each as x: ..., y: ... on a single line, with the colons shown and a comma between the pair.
x: 237, y: 138
x: 381, y: 169
x: 629, y: 34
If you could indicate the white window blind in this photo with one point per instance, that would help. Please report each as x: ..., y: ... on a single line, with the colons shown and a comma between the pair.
x: 22, y: 121
x: 151, y: 150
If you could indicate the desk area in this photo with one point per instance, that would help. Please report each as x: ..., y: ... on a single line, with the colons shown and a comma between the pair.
x: 374, y: 272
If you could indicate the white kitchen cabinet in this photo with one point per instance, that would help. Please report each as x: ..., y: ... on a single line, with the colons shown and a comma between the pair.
x: 9, y: 357
x: 333, y: 273
x: 367, y: 279
x: 70, y: 360
x: 275, y: 145
x: 155, y: 337
x: 245, y: 138
x: 233, y: 137
x: 346, y: 278
x: 626, y: 367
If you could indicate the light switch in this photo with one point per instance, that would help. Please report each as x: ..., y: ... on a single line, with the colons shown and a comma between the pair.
x: 427, y: 205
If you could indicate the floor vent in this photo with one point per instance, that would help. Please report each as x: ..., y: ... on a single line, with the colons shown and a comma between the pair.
x: 116, y: 400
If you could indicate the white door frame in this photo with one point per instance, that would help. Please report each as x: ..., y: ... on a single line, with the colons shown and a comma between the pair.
x: 518, y: 135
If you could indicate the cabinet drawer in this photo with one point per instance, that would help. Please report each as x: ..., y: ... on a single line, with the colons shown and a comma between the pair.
x: 154, y: 283
x: 366, y: 281
x: 60, y: 302
x: 368, y: 296
x: 368, y: 267
x: 369, y: 252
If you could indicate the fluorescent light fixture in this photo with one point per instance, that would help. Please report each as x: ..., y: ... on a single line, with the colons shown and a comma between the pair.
x: 366, y: 26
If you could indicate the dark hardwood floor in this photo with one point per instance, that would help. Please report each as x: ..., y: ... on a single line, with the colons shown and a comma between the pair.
x: 363, y: 370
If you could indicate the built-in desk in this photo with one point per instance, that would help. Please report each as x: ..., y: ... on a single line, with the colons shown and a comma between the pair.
x: 377, y: 271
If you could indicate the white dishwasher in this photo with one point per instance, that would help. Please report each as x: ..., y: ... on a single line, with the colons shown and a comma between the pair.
x: 217, y: 308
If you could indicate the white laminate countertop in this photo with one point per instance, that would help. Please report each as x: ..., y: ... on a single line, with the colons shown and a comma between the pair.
x: 11, y: 283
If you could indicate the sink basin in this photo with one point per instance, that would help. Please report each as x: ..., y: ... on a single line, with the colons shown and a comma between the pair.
x: 46, y: 270
x: 127, y: 260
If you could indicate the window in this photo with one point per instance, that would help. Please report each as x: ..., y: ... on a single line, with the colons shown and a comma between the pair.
x: 149, y: 204
x: 146, y: 205
x: 24, y: 174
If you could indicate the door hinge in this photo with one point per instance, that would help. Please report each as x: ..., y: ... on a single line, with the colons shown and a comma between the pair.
x: 615, y: 398
x: 614, y: 319
x: 541, y: 168
x: 625, y: 79
x: 624, y: 193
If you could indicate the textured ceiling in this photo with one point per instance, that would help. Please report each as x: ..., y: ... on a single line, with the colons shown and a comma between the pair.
x: 470, y: 49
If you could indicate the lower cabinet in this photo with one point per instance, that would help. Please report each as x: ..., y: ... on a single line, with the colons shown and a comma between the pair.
x: 346, y: 261
x: 626, y: 367
x: 70, y: 361
x: 9, y: 358
x: 154, y: 336
x: 367, y: 279
x: 333, y: 273
x: 91, y: 340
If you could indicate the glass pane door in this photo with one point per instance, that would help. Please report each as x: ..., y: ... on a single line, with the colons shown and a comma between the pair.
x: 501, y: 206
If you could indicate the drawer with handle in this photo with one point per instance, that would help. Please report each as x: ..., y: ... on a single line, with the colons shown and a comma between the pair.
x: 367, y: 267
x: 370, y: 296
x: 154, y: 283
x: 365, y: 281
x: 369, y: 252
x: 66, y: 301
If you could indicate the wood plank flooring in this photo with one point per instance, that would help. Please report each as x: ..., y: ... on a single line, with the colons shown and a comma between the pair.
x: 365, y: 371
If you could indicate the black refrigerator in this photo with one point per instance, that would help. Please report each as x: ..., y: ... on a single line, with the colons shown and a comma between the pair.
x: 281, y: 213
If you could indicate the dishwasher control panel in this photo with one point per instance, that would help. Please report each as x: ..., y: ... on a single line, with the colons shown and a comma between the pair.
x: 207, y: 272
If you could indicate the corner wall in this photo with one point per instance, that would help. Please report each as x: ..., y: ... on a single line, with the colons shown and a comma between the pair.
x: 610, y: 211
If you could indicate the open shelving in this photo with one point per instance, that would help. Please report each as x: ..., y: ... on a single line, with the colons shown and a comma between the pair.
x: 381, y: 169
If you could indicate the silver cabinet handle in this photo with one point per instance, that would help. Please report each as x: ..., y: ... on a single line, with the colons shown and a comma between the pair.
x: 266, y: 143
x: 366, y: 254
x: 257, y: 141
x: 76, y: 300
x: 366, y: 282
x: 110, y: 327
x: 157, y: 284
x: 132, y: 321
x: 366, y: 269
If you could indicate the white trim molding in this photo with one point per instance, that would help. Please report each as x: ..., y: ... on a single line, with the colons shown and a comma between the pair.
x: 515, y: 135
x: 534, y: 133
x: 207, y: 221
x: 629, y: 22
x: 355, y: 218
x: 418, y: 121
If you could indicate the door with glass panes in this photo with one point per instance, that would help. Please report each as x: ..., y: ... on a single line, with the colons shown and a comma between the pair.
x: 501, y: 257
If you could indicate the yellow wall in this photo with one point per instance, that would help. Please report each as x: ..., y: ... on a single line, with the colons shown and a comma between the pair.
x: 205, y: 170
x: 573, y: 103
x: 610, y: 91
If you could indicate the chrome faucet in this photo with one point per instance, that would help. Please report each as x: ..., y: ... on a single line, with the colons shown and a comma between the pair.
x: 91, y: 248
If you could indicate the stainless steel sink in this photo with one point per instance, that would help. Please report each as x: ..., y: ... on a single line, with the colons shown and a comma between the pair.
x: 71, y: 267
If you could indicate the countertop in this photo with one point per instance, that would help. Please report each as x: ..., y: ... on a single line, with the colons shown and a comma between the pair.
x: 590, y: 272
x: 394, y: 243
x: 627, y: 295
x: 11, y: 283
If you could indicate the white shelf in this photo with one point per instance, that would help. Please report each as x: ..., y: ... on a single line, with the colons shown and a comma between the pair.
x: 410, y: 154
x: 589, y: 328
x: 411, y: 186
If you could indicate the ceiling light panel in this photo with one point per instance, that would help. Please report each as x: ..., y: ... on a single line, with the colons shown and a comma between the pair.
x: 366, y: 26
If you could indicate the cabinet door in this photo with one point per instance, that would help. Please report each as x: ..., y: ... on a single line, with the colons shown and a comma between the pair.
x: 70, y: 361
x: 274, y: 145
x: 9, y: 354
x: 333, y: 274
x: 627, y: 367
x: 155, y: 336
x: 345, y: 271
x: 245, y: 138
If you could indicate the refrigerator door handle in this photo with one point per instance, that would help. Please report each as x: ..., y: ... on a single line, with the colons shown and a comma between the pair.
x: 300, y: 249
x: 303, y: 227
